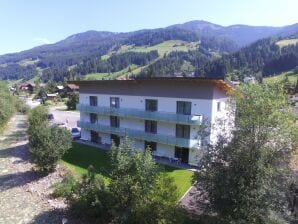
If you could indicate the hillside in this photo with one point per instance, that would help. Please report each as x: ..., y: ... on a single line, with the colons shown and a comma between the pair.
x: 187, y: 48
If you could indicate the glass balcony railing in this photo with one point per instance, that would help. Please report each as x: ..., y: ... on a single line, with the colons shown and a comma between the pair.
x: 141, y: 135
x: 143, y: 114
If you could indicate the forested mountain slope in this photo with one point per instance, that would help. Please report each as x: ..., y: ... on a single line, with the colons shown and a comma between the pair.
x: 193, y: 48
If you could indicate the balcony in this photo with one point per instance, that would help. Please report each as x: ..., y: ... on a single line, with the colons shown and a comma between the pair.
x: 141, y: 135
x: 142, y: 114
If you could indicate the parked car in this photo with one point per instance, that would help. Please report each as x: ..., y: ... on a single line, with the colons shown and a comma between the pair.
x: 61, y: 125
x: 75, y: 133
x: 50, y: 117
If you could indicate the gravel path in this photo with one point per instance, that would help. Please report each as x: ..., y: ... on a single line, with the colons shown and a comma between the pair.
x: 24, y: 194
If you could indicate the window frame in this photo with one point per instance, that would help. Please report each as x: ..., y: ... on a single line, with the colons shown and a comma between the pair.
x: 183, y: 107
x: 182, y: 131
x: 117, y: 102
x: 93, y: 101
x: 150, y: 126
x: 148, y: 105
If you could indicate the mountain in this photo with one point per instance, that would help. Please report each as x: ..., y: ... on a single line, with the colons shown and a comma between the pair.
x: 174, y: 49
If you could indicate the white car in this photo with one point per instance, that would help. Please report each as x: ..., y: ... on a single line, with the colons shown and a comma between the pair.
x: 75, y: 133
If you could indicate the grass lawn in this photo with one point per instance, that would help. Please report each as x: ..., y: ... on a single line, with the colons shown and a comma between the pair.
x: 286, y: 42
x: 291, y: 75
x: 81, y: 156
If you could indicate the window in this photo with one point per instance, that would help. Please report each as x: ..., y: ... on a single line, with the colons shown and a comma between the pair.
x: 93, y: 118
x: 151, y: 145
x: 150, y: 126
x: 183, y: 107
x: 182, y: 131
x: 114, y: 121
x: 151, y: 105
x: 114, y: 102
x: 218, y: 106
x: 93, y: 100
x: 95, y: 137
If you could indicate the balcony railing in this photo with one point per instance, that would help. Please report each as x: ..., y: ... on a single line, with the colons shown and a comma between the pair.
x: 141, y: 135
x: 143, y: 114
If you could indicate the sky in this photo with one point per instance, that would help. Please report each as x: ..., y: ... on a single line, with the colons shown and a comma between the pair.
x: 28, y: 23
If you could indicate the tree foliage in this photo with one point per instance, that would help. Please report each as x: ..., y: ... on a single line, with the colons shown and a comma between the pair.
x: 248, y: 178
x: 137, y: 191
x: 72, y: 102
x: 47, y: 143
x: 7, y: 104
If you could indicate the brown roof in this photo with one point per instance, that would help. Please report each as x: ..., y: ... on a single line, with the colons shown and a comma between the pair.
x: 220, y: 83
x: 73, y: 86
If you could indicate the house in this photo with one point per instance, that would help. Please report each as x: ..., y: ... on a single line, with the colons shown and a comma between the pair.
x: 59, y: 89
x: 26, y: 87
x: 72, y: 89
x: 162, y: 113
x: 52, y: 96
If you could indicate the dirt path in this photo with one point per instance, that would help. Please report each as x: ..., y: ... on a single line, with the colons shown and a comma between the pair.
x: 24, y: 195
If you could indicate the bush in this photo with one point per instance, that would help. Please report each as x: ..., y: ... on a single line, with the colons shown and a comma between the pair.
x: 22, y: 107
x: 72, y: 102
x: 137, y: 191
x: 47, y: 143
x: 66, y: 187
x: 7, y: 104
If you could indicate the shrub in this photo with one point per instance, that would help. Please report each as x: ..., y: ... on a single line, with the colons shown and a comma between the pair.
x: 72, y: 102
x: 66, y: 187
x: 47, y: 143
x: 22, y: 107
x: 7, y: 104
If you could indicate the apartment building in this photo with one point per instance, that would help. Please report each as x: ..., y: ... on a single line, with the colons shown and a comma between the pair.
x: 162, y: 113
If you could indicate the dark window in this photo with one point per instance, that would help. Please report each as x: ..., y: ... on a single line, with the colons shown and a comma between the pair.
x: 114, y: 102
x: 151, y: 145
x: 94, y: 137
x: 93, y: 100
x: 183, y: 107
x: 93, y: 118
x: 182, y: 154
x: 182, y: 131
x: 151, y: 105
x: 115, y: 121
x: 115, y: 139
x: 150, y: 126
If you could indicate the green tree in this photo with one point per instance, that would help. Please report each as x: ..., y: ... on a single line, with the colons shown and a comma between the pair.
x: 142, y: 194
x: 137, y: 191
x: 47, y: 143
x: 72, y: 102
x: 247, y: 178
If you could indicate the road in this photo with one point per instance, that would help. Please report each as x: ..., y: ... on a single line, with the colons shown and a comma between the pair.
x: 68, y: 117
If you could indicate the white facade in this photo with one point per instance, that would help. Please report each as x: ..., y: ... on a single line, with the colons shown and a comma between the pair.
x: 209, y: 109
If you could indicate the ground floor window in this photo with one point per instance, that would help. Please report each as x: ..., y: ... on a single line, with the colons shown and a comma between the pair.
x: 115, y: 139
x: 182, y: 154
x: 95, y: 137
x: 151, y: 145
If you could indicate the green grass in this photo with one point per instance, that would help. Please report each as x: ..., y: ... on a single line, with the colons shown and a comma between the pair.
x: 81, y: 156
x: 112, y: 75
x: 292, y: 76
x: 162, y: 48
x: 286, y: 42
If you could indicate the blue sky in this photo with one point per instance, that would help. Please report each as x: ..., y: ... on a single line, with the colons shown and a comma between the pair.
x: 25, y: 24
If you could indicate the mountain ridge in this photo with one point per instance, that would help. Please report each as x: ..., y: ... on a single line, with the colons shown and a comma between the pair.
x: 89, y: 50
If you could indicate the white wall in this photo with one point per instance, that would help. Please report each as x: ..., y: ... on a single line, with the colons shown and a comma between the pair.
x: 205, y: 107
